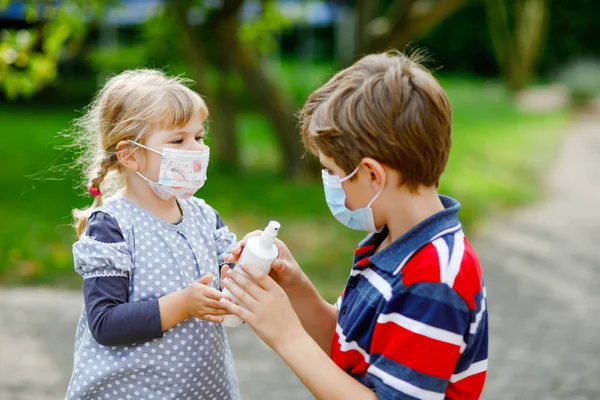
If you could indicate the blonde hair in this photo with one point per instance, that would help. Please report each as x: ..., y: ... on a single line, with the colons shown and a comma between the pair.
x: 131, y: 106
x: 385, y: 106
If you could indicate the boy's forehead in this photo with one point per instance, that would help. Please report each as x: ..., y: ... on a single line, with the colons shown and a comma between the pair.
x: 328, y: 162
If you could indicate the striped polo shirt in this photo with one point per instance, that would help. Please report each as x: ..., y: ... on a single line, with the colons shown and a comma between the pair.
x: 412, y: 319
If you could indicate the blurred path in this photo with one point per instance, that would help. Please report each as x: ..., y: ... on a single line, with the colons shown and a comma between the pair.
x: 36, y: 350
x: 541, y: 267
x: 542, y: 271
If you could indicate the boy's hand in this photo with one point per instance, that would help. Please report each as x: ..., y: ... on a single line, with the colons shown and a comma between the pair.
x: 202, y: 301
x: 284, y: 270
x: 268, y: 309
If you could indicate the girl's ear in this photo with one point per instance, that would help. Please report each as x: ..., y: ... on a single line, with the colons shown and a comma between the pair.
x: 128, y: 156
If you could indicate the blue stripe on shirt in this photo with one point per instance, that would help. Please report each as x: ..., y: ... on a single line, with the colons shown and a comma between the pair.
x: 434, y: 304
x: 406, y: 374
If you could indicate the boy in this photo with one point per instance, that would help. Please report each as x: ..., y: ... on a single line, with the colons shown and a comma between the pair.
x: 411, y: 322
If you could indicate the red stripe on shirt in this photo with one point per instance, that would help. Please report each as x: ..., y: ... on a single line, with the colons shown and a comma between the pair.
x: 424, y: 266
x: 351, y: 361
x: 468, y: 281
x: 364, y: 249
x: 364, y: 262
x: 469, y: 388
x: 420, y: 353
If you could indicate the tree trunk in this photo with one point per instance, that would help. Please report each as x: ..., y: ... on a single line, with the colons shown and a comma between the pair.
x: 412, y: 25
x: 224, y: 124
x: 222, y: 102
x: 366, y: 11
x: 268, y: 96
x: 517, y: 52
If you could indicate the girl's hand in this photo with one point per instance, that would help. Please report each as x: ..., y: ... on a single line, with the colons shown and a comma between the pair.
x: 268, y: 309
x: 202, y: 301
x: 284, y: 270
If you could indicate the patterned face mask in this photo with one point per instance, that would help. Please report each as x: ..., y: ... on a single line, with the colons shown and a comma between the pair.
x: 181, y: 174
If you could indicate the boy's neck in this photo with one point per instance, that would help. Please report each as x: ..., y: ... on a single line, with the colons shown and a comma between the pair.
x: 406, y: 210
x: 141, y: 194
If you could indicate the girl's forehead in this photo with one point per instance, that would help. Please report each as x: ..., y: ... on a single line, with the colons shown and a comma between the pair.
x: 194, y: 125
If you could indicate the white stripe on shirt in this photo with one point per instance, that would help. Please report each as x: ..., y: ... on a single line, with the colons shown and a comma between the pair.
x: 377, y: 281
x: 347, y: 346
x: 421, y: 328
x: 458, y: 251
x: 475, y: 368
x: 443, y: 255
x: 403, y: 386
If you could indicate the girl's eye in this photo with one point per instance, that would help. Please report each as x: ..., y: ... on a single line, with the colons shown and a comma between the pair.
x: 177, y: 141
x: 199, y: 138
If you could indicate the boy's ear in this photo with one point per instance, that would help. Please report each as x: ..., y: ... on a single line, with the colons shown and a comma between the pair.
x: 128, y: 156
x: 377, y: 173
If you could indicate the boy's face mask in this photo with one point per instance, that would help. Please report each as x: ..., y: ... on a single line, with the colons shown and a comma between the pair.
x: 181, y: 174
x: 360, y: 219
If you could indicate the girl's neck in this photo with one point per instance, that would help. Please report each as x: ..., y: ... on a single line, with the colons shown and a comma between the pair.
x: 140, y: 194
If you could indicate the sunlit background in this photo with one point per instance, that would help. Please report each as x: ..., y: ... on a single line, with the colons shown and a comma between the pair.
x: 517, y: 72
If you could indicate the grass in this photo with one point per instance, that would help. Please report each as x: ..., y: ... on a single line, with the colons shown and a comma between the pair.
x: 497, y: 157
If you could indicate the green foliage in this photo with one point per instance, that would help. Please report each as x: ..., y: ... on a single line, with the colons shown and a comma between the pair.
x: 261, y: 32
x: 29, y: 57
x: 572, y: 33
x: 497, y: 156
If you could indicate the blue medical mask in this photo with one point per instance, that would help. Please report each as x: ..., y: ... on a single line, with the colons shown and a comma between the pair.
x: 360, y: 219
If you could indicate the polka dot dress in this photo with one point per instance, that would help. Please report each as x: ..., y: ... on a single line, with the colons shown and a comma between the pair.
x: 193, y: 359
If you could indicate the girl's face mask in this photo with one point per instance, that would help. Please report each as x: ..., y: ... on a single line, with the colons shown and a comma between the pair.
x: 181, y: 174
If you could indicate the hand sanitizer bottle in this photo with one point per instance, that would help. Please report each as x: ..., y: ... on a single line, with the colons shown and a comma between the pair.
x: 260, y: 251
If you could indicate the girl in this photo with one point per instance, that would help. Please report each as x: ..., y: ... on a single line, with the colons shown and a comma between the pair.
x: 151, y: 324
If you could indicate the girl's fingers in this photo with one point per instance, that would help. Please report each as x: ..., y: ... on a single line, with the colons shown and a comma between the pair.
x: 205, y: 280
x: 224, y: 270
x: 212, y: 293
x: 216, y: 311
x: 212, y: 318
x: 208, y: 303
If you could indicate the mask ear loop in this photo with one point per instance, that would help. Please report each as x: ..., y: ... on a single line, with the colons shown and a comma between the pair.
x: 375, y: 197
x: 145, y: 147
x: 378, y: 194
x: 350, y: 175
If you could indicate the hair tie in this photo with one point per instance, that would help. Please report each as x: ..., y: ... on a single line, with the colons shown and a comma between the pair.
x: 93, y: 191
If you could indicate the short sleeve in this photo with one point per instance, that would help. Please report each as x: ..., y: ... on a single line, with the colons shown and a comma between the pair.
x: 102, y: 250
x: 417, y: 341
x: 225, y: 239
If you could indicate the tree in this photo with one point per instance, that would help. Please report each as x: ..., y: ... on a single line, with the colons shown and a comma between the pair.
x: 30, y: 56
x: 234, y: 54
x: 234, y: 48
x: 394, y: 24
x: 517, y: 29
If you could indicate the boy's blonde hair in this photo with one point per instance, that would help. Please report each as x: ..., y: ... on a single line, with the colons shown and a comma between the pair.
x: 385, y: 106
x: 131, y: 106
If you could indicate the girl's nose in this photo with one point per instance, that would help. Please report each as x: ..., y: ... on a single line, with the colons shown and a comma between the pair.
x: 197, y: 146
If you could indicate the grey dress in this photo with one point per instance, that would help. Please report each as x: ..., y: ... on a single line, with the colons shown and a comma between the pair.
x: 193, y: 359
